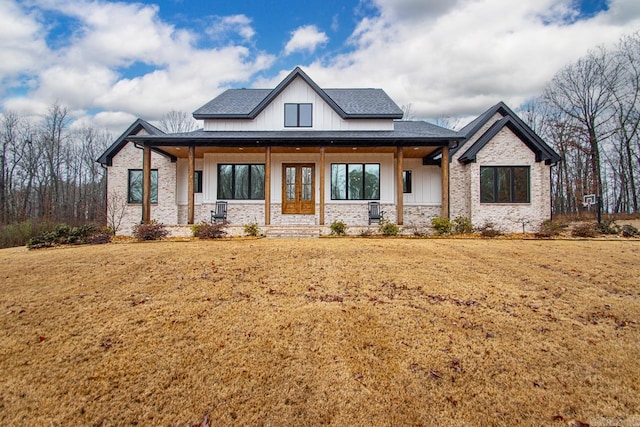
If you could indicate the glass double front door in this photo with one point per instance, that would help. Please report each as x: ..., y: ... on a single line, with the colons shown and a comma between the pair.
x: 298, y: 188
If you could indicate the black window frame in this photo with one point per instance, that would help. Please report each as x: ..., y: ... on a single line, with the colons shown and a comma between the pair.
x: 298, y: 115
x: 249, y: 191
x: 347, y: 182
x: 407, y: 181
x: 197, y: 181
x: 497, y: 192
x: 154, y: 188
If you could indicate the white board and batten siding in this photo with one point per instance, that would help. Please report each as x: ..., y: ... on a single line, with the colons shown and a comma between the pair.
x: 426, y: 180
x: 323, y: 116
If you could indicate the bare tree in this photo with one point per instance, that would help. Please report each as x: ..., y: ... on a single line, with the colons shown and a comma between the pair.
x: 407, y: 112
x: 582, y: 91
x: 116, y: 209
x: 177, y: 122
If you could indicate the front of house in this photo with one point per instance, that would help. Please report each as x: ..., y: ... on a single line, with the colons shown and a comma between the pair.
x: 299, y: 155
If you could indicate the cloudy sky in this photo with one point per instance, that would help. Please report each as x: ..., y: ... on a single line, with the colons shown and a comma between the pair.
x: 110, y: 62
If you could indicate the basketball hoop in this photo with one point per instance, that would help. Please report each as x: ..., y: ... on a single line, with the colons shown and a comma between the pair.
x: 588, y: 200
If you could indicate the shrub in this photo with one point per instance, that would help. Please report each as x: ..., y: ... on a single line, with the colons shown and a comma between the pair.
x: 62, y: 234
x: 488, y: 229
x: 608, y: 226
x: 252, y: 229
x: 584, y: 230
x: 100, y: 238
x: 152, y: 231
x: 441, y: 225
x: 550, y: 228
x: 629, y: 230
x: 207, y: 230
x: 338, y: 228
x: 462, y: 225
x: 388, y: 228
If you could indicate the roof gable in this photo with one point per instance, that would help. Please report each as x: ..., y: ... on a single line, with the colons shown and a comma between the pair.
x: 541, y: 150
x: 510, y: 119
x: 136, y: 127
x: 347, y: 103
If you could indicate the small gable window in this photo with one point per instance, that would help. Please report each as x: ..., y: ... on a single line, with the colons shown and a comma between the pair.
x: 298, y: 115
x: 504, y: 184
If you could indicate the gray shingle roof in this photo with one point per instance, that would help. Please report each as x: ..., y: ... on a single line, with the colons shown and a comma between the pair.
x: 348, y: 103
x: 366, y: 102
x: 234, y: 102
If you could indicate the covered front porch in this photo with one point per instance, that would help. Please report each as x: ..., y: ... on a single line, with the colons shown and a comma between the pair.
x: 303, y: 184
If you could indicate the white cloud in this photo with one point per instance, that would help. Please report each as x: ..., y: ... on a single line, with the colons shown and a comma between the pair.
x: 453, y: 57
x: 21, y: 44
x: 88, y: 72
x: 462, y: 59
x: 222, y: 25
x: 305, y: 38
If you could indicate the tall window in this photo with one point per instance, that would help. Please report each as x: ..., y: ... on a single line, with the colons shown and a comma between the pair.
x: 197, y: 182
x: 355, y: 181
x: 406, y: 182
x: 504, y: 184
x: 241, y: 182
x: 134, y: 193
x: 297, y: 115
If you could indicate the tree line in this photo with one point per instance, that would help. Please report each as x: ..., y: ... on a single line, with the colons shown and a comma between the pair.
x: 589, y: 112
x: 48, y: 171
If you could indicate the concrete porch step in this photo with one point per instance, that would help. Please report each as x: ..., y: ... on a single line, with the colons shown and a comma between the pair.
x: 293, y: 231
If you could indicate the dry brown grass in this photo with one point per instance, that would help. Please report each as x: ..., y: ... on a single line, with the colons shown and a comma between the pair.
x: 321, y: 331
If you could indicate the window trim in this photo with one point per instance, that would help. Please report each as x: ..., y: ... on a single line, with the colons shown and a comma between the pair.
x: 133, y: 202
x: 346, y: 198
x: 407, y: 181
x: 298, y: 115
x: 197, y: 179
x: 233, y: 181
x: 512, y: 185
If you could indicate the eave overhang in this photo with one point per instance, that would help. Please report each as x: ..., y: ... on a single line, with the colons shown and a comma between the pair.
x: 286, y: 139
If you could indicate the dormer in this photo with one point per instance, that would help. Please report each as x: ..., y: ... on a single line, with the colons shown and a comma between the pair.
x: 299, y: 104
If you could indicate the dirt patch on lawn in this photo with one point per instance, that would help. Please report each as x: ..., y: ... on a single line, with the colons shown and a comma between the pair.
x: 321, y: 331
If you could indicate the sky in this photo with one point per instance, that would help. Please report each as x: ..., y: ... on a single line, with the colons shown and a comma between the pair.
x: 110, y: 62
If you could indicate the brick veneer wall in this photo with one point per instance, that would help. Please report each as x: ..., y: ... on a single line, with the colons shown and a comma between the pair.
x: 505, y: 149
x: 165, y: 211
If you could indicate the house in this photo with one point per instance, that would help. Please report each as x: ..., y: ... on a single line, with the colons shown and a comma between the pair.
x: 300, y: 155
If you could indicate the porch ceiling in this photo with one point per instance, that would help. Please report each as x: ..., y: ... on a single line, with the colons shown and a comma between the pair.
x: 408, y: 152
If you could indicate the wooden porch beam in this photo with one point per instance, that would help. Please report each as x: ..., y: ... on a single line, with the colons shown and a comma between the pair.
x: 444, y: 166
x: 190, y: 189
x: 267, y: 186
x: 399, y: 186
x: 322, y: 177
x: 146, y: 184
